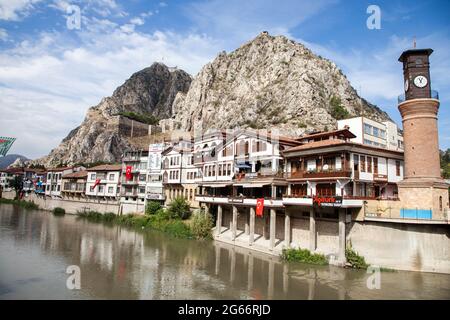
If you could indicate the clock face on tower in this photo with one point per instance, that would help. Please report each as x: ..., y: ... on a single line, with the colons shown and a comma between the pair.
x: 420, y: 81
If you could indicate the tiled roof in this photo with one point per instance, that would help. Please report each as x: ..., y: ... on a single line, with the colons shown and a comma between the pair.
x: 79, y: 174
x: 317, y: 144
x: 343, y: 132
x: 106, y: 167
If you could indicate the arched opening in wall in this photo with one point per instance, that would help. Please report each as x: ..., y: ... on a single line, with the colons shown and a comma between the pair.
x: 440, y: 203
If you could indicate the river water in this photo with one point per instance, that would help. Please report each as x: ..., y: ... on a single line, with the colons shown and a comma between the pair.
x: 115, y: 262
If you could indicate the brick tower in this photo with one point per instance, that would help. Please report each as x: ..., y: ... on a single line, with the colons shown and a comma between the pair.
x: 423, y: 189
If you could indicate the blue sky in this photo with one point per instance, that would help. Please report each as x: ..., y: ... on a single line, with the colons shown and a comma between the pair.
x: 50, y: 74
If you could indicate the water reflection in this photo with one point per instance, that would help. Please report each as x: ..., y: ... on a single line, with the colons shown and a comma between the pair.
x: 119, y: 263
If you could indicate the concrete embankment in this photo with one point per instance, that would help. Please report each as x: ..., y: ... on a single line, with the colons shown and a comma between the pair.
x: 71, y: 206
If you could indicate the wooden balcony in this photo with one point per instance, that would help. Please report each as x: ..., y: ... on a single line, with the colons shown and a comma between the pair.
x: 334, y: 174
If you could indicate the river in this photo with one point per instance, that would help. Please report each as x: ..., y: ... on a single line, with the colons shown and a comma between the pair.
x: 115, y: 262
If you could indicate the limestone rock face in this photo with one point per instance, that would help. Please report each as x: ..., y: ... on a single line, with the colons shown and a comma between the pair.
x: 269, y: 82
x: 151, y: 90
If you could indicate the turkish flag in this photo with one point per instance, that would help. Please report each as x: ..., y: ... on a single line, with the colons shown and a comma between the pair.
x: 97, y: 182
x: 128, y: 175
x: 259, y: 207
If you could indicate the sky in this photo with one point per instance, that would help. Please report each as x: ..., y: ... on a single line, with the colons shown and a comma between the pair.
x: 52, y: 69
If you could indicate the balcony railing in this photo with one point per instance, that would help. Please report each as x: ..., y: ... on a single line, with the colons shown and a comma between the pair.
x: 433, y: 95
x: 320, y: 174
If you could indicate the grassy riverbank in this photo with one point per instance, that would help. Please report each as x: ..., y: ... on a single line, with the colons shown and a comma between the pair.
x: 21, y: 203
x: 176, y: 220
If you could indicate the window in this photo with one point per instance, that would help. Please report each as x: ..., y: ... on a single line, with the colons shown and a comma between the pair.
x: 101, y: 188
x: 111, y: 176
x: 141, y: 189
x: 59, y: 188
x: 397, y: 167
x: 220, y: 169
x: 93, y: 176
x: 369, y: 164
x: 375, y: 165
x: 376, y: 132
x: 367, y: 128
x: 91, y: 188
x: 142, y: 177
x: 440, y: 203
x: 382, y: 134
x: 110, y: 189
x: 229, y: 169
x: 363, y: 163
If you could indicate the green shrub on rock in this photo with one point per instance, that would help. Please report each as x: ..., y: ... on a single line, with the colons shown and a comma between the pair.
x: 59, y: 211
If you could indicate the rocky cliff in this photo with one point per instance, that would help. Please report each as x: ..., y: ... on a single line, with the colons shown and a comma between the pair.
x: 150, y: 91
x: 270, y: 82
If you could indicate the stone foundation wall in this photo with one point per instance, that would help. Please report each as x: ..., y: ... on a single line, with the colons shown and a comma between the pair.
x: 413, y: 247
x: 72, y: 206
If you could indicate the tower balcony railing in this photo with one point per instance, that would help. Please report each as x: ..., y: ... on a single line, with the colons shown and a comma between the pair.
x: 434, y: 95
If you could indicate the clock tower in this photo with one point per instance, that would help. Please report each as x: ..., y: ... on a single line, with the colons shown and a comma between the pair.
x: 422, y: 187
x: 416, y: 73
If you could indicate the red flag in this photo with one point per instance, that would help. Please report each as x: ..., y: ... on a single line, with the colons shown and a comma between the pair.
x: 128, y: 175
x: 259, y: 207
x: 97, y: 182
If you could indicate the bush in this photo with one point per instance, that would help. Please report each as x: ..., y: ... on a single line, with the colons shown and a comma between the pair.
x: 178, y: 229
x: 201, y: 225
x: 152, y: 207
x: 58, y: 211
x: 354, y: 259
x: 303, y: 255
x: 109, y: 217
x: 179, y: 208
x: 338, y: 111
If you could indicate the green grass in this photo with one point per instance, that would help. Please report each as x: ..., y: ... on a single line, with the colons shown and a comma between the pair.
x: 22, y: 203
x: 354, y: 259
x: 303, y: 255
x: 160, y: 221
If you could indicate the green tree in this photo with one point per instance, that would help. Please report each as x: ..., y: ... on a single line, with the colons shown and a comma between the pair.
x: 202, y: 224
x: 179, y: 208
x: 17, y: 184
x: 445, y: 163
x: 338, y: 111
x: 152, y: 207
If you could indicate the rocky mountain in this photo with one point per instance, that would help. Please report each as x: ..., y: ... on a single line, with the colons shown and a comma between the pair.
x: 150, y: 91
x: 10, y: 159
x: 270, y: 82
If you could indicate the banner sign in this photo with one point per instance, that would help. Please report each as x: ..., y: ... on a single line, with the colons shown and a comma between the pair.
x: 97, y: 182
x: 323, y: 201
x: 128, y: 175
x: 259, y: 207
x: 5, y: 145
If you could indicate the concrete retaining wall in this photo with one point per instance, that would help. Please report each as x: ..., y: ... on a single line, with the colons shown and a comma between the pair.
x: 71, y: 206
x: 402, y: 246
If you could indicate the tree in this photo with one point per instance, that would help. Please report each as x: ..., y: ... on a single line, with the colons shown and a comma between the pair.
x: 17, y: 184
x: 179, y: 208
x: 338, y: 111
x: 152, y: 207
x: 445, y: 163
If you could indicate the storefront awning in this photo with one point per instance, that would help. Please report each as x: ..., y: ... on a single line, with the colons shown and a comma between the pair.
x: 251, y: 185
x: 216, y: 185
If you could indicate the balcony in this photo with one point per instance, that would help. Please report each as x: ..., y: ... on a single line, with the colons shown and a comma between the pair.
x: 132, y: 193
x: 129, y: 182
x: 335, y: 174
x: 433, y: 95
x: 390, y: 212
x: 246, y: 201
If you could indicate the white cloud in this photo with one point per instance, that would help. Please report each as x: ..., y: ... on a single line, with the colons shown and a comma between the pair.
x: 238, y: 21
x: 15, y: 10
x: 47, y: 84
x: 3, y: 34
x: 137, y: 21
